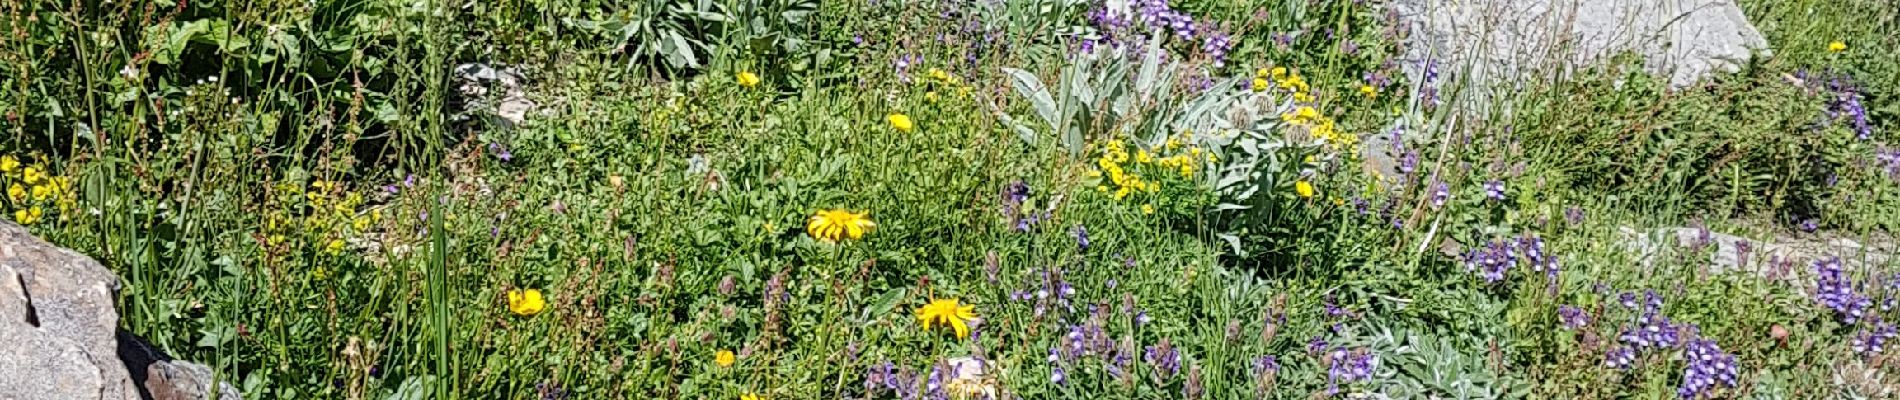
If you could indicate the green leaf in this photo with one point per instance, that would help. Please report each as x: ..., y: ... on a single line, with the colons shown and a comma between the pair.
x: 1031, y: 87
x: 884, y: 303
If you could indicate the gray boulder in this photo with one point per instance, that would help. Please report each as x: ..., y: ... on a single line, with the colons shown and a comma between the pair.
x: 60, y: 337
x: 57, y: 323
x: 1503, y: 42
x: 1781, y: 258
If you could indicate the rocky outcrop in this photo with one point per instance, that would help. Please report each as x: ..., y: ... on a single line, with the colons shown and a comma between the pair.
x: 57, y: 323
x: 60, y: 337
x: 1507, y: 41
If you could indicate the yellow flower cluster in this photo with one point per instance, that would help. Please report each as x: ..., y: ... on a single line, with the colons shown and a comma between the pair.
x: 1320, y: 127
x: 946, y: 80
x: 30, y: 190
x: 1111, y: 161
x: 1291, y: 82
x: 1125, y: 169
x: 333, y: 213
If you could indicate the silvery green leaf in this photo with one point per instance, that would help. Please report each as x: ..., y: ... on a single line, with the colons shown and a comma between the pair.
x: 1027, y: 135
x: 1083, y: 92
x: 1074, y: 140
x: 1031, y: 87
x: 1150, y: 65
x: 1233, y: 242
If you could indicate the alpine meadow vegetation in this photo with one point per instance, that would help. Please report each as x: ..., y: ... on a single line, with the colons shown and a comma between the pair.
x: 954, y: 199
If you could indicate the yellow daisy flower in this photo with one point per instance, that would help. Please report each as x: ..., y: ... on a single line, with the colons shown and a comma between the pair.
x: 526, y: 303
x: 947, y: 312
x: 724, y: 358
x: 901, y: 122
x: 834, y: 225
x: 748, y: 79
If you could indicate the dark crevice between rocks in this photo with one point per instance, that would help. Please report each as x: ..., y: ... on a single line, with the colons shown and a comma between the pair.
x: 32, y: 315
x: 139, y: 355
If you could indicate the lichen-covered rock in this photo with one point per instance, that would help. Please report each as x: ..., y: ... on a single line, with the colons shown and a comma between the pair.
x: 57, y: 323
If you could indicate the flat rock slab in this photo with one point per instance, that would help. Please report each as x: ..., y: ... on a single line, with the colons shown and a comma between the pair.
x: 57, y: 323
x: 1508, y: 41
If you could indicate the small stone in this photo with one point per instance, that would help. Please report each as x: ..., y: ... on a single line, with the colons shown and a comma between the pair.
x: 184, y: 380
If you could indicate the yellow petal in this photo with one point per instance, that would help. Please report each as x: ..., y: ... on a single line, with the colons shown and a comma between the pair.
x: 963, y: 330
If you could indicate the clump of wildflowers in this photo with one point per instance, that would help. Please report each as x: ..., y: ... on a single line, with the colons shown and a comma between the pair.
x: 1834, y: 290
x: 1872, y: 341
x: 1165, y: 358
x: 1707, y: 366
x: 1348, y: 366
x: 1889, y: 160
x: 1441, y: 193
x: 1846, y: 106
x: 1620, y: 358
x: 1266, y: 369
x: 1494, y: 189
x: 1572, y: 317
x: 1652, y: 329
x: 1216, y: 46
x: 1492, y: 261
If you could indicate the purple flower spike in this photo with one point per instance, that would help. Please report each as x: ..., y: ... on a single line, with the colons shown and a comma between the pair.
x: 1572, y: 317
x: 1441, y: 192
x: 1494, y: 189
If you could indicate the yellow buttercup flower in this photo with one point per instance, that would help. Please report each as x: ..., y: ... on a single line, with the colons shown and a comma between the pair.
x: 901, y: 122
x: 835, y: 225
x: 1301, y: 115
x: 1261, y: 84
x: 930, y: 97
x: 1369, y: 91
x: 724, y: 358
x: 16, y: 192
x: 1303, y: 188
x: 526, y: 303
x: 8, y: 164
x: 748, y: 79
x: 1837, y: 46
x: 335, y: 246
x: 32, y: 175
x: 1148, y: 209
x: 28, y: 216
x: 947, y: 312
x: 41, y: 192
